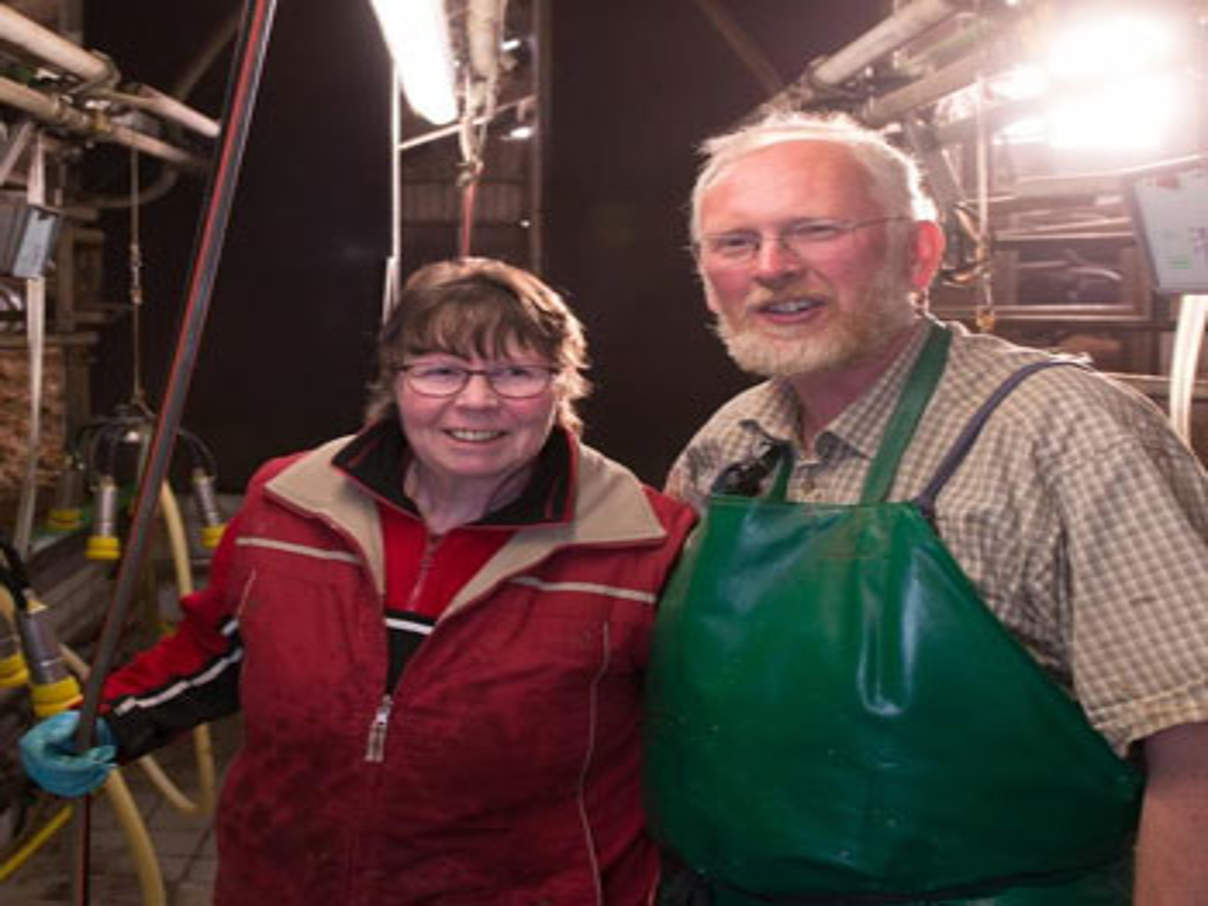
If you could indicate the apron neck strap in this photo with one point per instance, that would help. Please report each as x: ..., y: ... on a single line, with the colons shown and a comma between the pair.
x: 964, y: 442
x: 915, y: 395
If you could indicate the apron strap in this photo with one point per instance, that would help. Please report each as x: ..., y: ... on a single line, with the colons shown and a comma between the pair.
x: 964, y: 443
x: 919, y: 386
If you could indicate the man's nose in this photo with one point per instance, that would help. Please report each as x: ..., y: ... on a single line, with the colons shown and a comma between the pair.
x: 774, y: 261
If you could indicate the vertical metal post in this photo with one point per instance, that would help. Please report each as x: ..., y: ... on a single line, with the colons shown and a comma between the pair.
x: 35, y: 333
x: 394, y: 265
x: 242, y: 89
x: 539, y: 145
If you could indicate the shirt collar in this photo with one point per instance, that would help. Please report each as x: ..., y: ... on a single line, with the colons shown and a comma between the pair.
x: 862, y: 424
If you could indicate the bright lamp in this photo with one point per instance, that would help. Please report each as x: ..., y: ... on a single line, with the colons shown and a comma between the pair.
x: 417, y: 33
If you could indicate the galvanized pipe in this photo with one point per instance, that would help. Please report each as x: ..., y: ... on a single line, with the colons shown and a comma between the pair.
x: 165, y: 106
x: 887, y: 36
x: 55, y: 112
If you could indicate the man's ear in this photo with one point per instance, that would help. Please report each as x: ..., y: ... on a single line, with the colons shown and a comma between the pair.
x: 927, y: 253
x: 707, y: 289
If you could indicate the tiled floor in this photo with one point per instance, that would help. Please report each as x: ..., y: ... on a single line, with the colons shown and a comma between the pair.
x: 183, y: 843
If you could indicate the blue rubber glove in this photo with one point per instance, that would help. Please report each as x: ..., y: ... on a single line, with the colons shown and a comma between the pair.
x: 50, y: 758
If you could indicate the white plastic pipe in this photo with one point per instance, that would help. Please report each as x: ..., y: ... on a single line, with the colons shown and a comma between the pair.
x: 1184, y: 362
x: 35, y: 332
x: 49, y: 46
x: 63, y: 54
x: 165, y: 106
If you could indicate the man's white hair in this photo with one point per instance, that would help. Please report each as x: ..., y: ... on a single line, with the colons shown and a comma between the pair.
x: 896, y: 178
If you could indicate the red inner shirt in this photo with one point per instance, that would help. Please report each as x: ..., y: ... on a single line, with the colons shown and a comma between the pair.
x: 423, y: 572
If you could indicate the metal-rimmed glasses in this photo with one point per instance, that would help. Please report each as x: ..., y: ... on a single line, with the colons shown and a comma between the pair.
x: 800, y: 238
x: 513, y: 382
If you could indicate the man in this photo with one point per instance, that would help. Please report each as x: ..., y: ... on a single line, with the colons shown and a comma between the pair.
x: 833, y: 717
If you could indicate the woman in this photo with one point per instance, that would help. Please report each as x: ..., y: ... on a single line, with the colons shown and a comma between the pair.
x: 436, y: 631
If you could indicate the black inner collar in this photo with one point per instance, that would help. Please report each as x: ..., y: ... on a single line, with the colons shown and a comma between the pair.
x: 376, y: 459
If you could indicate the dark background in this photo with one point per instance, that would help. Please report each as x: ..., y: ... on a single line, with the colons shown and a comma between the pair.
x: 634, y: 86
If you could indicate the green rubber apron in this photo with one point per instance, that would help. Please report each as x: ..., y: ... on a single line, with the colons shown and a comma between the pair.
x: 836, y: 717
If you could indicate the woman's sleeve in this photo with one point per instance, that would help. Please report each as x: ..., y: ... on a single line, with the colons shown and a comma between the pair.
x: 190, y: 677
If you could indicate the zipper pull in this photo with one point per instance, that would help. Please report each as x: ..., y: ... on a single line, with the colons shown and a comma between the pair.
x: 375, y: 751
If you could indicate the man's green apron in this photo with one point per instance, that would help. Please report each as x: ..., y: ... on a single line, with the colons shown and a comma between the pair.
x: 836, y: 717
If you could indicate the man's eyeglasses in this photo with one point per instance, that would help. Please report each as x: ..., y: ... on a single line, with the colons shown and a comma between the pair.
x: 800, y: 238
x: 513, y: 382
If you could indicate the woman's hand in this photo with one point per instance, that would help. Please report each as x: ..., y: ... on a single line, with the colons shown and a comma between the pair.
x: 49, y: 755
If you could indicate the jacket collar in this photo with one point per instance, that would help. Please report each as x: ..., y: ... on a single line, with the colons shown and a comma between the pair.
x: 609, y: 508
x: 376, y: 458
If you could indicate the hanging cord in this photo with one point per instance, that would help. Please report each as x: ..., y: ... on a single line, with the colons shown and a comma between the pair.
x: 480, y: 84
x: 471, y: 136
x: 467, y: 179
x: 137, y: 396
x: 240, y: 101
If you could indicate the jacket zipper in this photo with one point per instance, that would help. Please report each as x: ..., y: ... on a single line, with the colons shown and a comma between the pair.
x: 375, y: 749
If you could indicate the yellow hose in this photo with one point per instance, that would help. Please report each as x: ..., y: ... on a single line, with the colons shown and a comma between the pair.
x: 202, y: 744
x: 150, y: 767
x: 141, y: 848
x: 150, y: 880
x: 176, y: 538
x: 34, y: 843
x: 202, y: 747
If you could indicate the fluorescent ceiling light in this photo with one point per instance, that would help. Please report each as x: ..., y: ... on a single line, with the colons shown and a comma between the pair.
x: 417, y: 33
x: 1019, y: 83
x: 1106, y: 85
x: 1132, y: 113
x: 1109, y: 46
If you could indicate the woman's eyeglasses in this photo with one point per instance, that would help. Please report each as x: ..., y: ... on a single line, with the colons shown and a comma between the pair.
x: 513, y: 382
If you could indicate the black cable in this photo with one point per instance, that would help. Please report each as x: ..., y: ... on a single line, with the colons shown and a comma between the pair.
x: 13, y: 575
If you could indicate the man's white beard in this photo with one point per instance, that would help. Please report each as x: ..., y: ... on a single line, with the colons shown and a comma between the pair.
x: 852, y: 336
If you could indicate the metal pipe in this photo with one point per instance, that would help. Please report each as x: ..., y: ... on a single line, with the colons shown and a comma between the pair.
x: 165, y: 106
x: 887, y: 36
x: 19, y: 341
x: 17, y: 142
x: 90, y: 67
x: 393, y: 281
x: 956, y: 75
x: 35, y: 331
x: 49, y: 46
x: 747, y: 51
x: 55, y: 112
x: 891, y: 33
x: 453, y: 129
x: 242, y: 89
x: 542, y: 69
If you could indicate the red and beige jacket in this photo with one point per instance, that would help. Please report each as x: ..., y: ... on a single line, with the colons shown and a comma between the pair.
x: 503, y: 767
